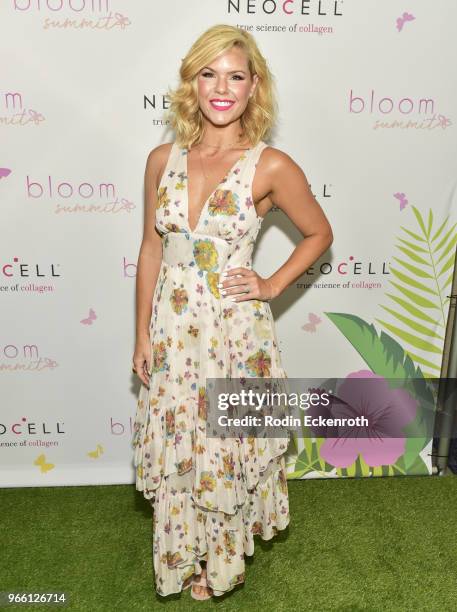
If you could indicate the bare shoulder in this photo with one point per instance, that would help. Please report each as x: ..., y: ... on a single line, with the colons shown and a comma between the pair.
x: 157, y: 160
x: 275, y: 160
x: 159, y: 154
x: 278, y: 171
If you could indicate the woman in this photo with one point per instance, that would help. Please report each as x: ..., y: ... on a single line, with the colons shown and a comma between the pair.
x: 203, y: 312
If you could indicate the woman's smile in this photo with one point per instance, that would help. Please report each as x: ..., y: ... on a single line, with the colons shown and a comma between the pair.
x: 221, y: 105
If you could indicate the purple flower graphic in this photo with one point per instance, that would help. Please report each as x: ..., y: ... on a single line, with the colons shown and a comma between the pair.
x: 382, y: 441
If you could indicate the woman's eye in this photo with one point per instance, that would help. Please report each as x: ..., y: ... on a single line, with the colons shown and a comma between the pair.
x: 238, y: 77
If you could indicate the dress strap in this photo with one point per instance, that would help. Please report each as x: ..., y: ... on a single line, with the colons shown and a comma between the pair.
x: 253, y: 160
x: 172, y: 163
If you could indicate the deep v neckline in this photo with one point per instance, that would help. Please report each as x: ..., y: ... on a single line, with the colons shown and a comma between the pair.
x: 206, y: 202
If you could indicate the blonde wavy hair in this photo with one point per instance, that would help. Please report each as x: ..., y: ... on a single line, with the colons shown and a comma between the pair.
x: 184, y: 113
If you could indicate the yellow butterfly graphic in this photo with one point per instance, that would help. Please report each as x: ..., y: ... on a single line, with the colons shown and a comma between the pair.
x: 44, y: 467
x: 97, y: 452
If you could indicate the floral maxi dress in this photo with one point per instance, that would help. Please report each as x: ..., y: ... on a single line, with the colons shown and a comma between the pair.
x: 209, y: 495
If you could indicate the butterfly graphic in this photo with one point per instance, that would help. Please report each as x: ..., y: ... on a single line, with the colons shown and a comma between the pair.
x: 313, y: 321
x: 403, y: 19
x: 44, y: 467
x: 402, y: 199
x: 97, y: 452
x: 92, y: 316
x: 4, y: 172
x: 444, y: 121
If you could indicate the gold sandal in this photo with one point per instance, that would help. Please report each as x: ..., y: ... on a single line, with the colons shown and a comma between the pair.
x: 203, y: 583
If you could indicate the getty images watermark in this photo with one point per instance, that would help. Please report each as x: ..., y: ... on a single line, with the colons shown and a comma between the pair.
x: 258, y: 401
x: 362, y: 405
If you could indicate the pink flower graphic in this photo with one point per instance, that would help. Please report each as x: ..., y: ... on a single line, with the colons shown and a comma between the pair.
x: 382, y: 442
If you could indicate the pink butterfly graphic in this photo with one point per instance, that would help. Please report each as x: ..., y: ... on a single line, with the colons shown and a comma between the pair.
x: 92, y: 316
x: 403, y: 19
x: 313, y: 321
x: 4, y: 172
x: 402, y: 199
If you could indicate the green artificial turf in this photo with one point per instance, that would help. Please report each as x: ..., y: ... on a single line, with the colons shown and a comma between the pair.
x: 352, y: 545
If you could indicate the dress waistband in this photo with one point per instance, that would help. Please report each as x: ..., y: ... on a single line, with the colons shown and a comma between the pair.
x: 201, y: 252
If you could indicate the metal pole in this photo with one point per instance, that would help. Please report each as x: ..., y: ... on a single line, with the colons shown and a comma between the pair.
x: 448, y: 371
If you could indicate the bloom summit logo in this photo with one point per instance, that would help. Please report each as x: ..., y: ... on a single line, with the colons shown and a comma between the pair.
x: 74, y: 14
x: 83, y: 197
x: 14, y: 110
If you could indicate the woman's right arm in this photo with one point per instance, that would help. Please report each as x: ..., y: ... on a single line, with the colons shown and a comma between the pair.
x: 148, y: 265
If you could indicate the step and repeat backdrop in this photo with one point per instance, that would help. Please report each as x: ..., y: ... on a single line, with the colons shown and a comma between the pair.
x: 366, y: 109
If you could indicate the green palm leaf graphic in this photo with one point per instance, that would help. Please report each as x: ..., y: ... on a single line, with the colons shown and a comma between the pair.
x: 413, y: 235
x: 412, y: 309
x: 422, y: 279
x: 421, y: 294
x: 387, y: 358
x: 413, y: 246
x: 414, y: 269
x: 445, y: 239
x: 440, y: 229
x: 427, y: 331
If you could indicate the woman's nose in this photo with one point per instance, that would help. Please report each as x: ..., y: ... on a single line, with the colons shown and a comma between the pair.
x: 221, y: 86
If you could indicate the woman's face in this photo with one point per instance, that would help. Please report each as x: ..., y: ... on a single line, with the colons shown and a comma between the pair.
x: 224, y: 87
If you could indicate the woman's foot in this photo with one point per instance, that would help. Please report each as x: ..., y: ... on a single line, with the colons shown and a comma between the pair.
x: 188, y: 582
x: 202, y: 591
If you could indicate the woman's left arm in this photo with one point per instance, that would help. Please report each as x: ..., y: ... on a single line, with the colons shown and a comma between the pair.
x: 290, y: 191
x: 284, y: 183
